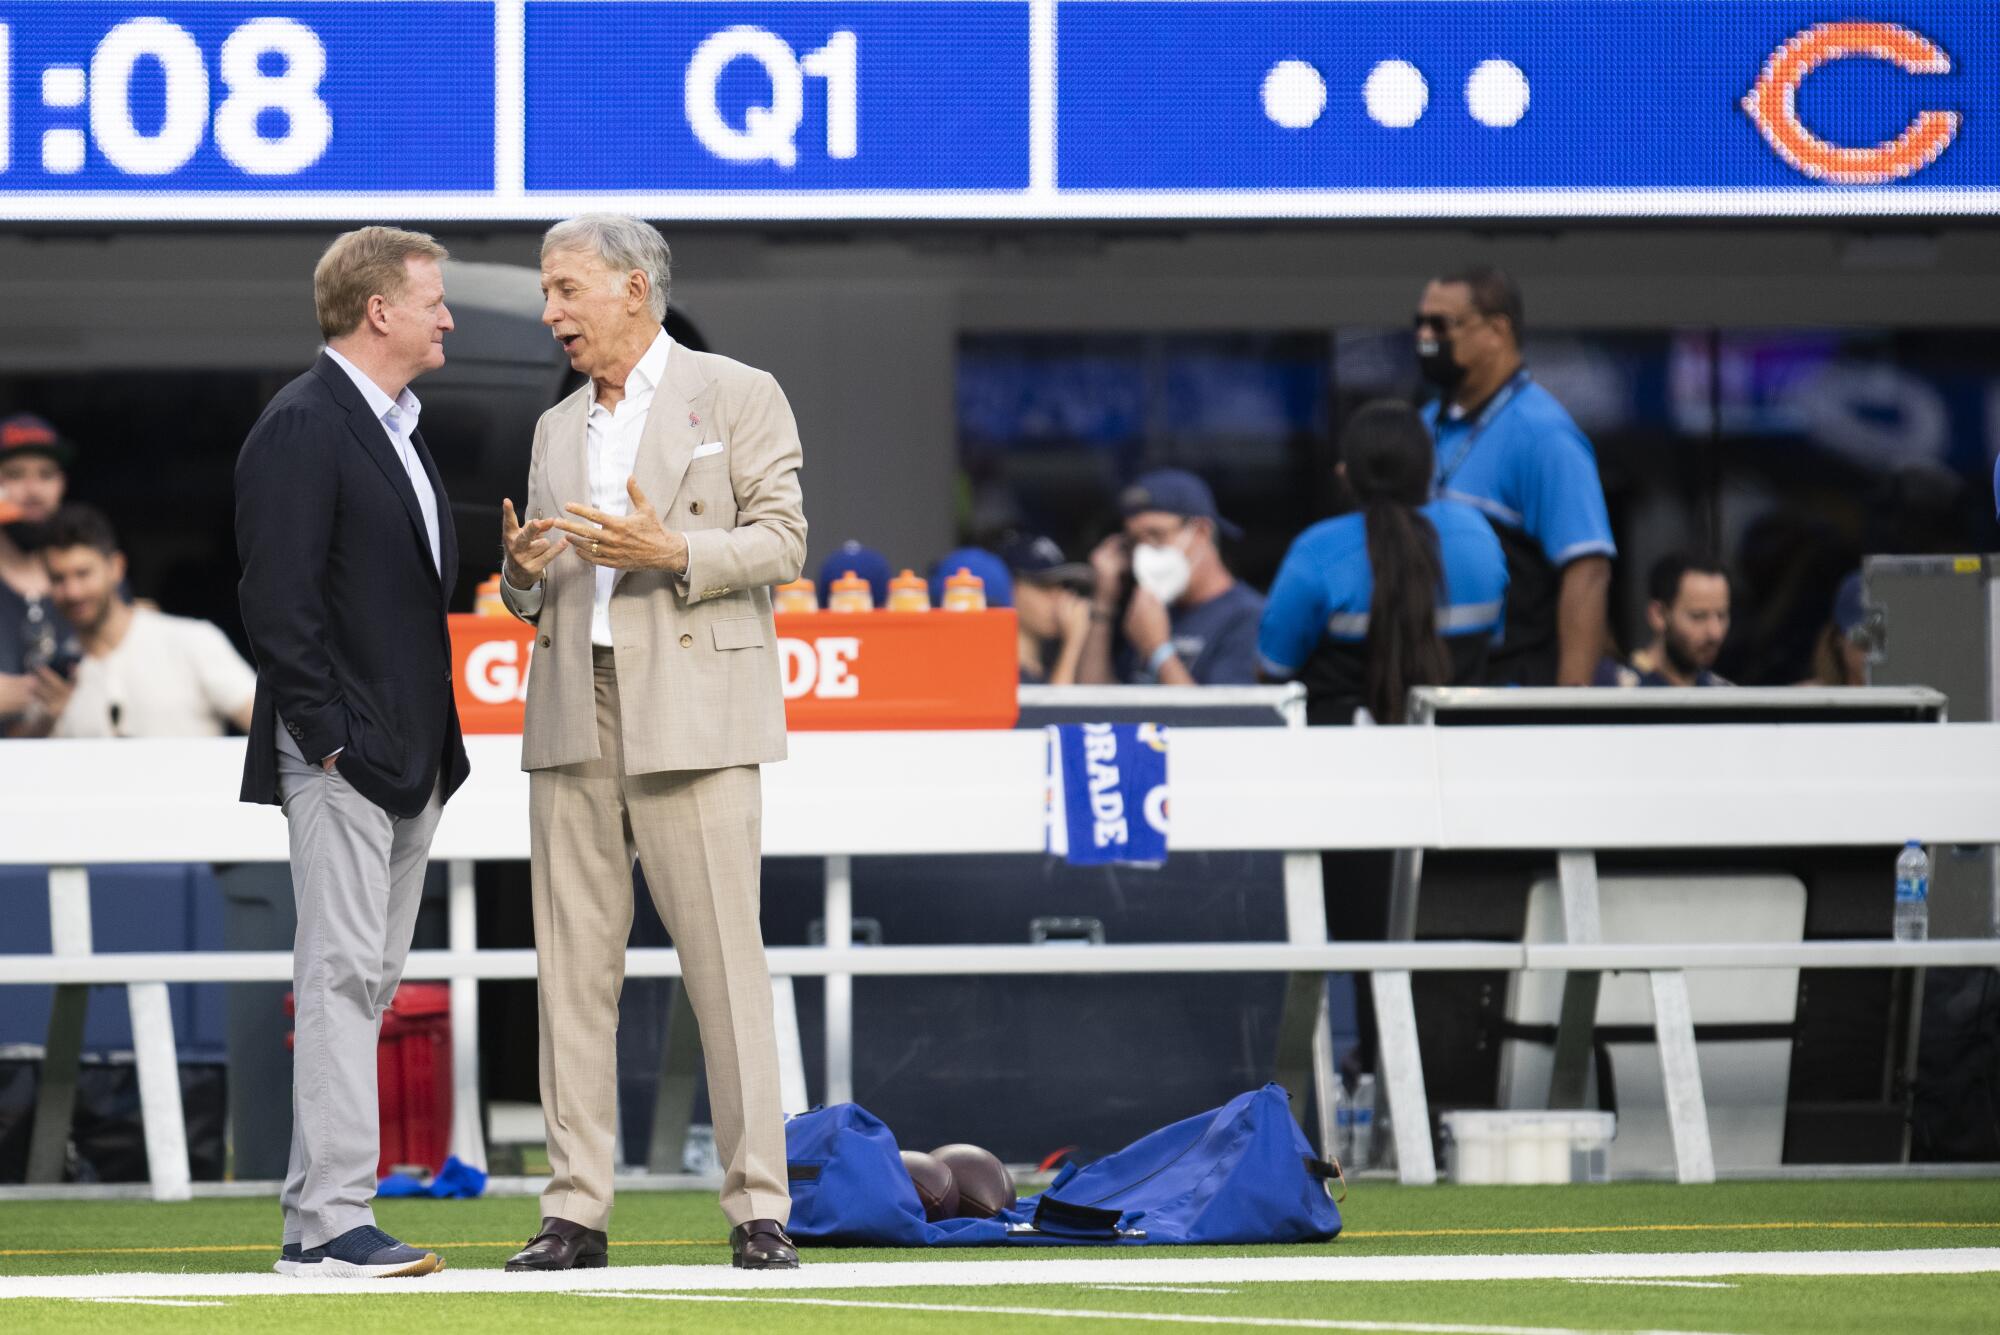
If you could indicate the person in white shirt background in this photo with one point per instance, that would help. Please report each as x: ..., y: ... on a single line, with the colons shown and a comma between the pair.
x: 142, y: 673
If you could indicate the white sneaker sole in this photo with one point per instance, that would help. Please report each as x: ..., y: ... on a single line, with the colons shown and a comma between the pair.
x: 428, y: 1264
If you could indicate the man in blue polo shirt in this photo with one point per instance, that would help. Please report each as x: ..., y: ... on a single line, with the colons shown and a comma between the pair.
x: 1507, y: 448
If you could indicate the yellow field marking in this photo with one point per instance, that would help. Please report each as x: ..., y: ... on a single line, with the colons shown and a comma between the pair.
x: 1644, y: 1228
x: 265, y: 1247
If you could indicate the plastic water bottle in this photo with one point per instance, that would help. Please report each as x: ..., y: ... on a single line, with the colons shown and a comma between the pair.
x: 1354, y: 1125
x: 1913, y: 893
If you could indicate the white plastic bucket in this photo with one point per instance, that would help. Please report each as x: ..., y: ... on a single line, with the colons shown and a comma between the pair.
x: 1528, y: 1145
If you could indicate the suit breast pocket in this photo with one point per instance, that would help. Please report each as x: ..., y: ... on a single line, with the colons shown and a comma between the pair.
x: 707, y: 498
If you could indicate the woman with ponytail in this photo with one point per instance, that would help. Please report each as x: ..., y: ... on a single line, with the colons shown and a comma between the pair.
x: 1404, y: 591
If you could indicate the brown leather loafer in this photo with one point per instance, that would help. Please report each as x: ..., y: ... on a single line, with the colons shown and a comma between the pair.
x: 562, y: 1245
x: 762, y: 1244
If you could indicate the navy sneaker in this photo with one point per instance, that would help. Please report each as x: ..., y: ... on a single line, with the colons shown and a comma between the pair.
x: 291, y: 1259
x: 361, y: 1253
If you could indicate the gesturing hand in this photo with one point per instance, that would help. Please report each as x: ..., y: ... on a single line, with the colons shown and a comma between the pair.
x: 529, y: 549
x: 636, y: 541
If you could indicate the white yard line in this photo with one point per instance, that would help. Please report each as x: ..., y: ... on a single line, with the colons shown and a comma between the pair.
x: 1158, y: 1318
x: 157, y: 1302
x: 1198, y: 1291
x: 1081, y: 1270
x: 1663, y: 1283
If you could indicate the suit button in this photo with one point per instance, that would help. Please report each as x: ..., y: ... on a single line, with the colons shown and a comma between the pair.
x: 694, y: 507
x: 687, y: 641
x: 447, y: 676
x: 543, y: 642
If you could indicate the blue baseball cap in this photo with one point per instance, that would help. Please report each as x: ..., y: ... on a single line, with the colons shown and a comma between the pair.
x: 1174, y: 491
x: 1034, y: 558
x: 851, y: 557
x: 990, y: 568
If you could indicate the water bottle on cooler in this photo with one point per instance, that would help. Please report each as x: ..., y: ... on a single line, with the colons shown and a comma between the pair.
x: 1913, y: 893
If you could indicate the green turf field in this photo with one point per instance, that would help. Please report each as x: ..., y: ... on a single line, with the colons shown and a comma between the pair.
x: 1535, y: 1226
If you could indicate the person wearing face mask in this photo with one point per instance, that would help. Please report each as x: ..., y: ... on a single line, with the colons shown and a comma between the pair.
x: 1508, y: 449
x: 34, y: 638
x: 1164, y: 608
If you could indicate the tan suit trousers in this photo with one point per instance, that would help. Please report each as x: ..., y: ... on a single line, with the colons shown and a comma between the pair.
x: 698, y: 835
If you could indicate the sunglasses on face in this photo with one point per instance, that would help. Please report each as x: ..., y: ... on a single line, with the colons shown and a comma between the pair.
x: 1444, y: 324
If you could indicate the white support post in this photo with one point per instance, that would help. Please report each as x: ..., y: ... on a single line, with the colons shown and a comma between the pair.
x: 791, y: 1048
x: 838, y: 916
x: 1687, y: 1107
x: 1576, y: 1023
x: 1403, y: 1076
x: 160, y: 1091
x: 69, y: 911
x: 1306, y: 1022
x: 55, y: 1099
x: 468, y: 1130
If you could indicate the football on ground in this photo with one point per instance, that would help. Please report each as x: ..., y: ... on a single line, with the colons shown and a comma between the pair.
x: 985, y: 1187
x: 936, y: 1187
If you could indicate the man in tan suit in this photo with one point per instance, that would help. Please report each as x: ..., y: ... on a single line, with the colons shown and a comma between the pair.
x: 663, y: 502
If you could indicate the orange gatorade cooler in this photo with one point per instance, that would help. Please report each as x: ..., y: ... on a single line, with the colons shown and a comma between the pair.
x: 908, y: 592
x: 964, y: 592
x: 798, y: 596
x: 849, y: 593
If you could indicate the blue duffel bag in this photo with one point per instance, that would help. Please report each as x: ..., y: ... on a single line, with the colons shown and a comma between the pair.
x: 1242, y: 1173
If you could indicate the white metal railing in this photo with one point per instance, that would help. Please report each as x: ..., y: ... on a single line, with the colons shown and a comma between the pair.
x: 63, y: 804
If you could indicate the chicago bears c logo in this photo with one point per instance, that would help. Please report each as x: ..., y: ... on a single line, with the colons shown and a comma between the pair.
x: 1772, y: 103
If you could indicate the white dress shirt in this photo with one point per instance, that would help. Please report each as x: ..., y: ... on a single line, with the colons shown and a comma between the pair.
x: 398, y: 417
x: 611, y: 446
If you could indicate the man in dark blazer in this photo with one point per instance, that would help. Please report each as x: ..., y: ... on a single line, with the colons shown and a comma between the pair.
x: 348, y: 556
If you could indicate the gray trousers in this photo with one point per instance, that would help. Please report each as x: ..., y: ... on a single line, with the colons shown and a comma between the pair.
x: 357, y: 877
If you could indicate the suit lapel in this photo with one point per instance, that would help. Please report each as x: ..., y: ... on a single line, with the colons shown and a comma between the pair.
x: 374, y: 437
x: 447, y: 529
x: 567, y: 458
x: 681, y: 418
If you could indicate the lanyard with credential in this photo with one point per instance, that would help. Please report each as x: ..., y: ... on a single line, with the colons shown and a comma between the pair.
x: 1492, y: 410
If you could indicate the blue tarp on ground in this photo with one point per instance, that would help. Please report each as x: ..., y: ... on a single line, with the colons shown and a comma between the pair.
x: 1241, y: 1173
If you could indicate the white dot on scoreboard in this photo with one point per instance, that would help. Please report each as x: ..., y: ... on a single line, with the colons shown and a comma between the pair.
x: 1395, y: 94
x: 1497, y: 93
x: 62, y: 152
x: 1294, y: 94
x: 62, y: 86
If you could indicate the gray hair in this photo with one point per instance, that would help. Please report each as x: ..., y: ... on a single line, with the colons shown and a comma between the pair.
x: 623, y: 244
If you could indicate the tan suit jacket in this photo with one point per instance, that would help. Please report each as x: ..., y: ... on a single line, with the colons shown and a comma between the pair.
x: 697, y: 664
